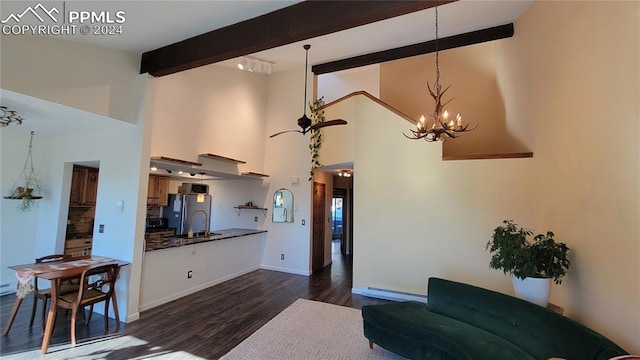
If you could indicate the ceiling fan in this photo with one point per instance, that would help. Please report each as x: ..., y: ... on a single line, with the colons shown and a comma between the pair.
x: 305, y: 122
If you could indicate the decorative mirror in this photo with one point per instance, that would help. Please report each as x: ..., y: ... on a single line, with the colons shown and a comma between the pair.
x: 282, y: 206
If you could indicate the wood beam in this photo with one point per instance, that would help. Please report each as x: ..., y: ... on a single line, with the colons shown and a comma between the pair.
x: 470, y: 38
x: 294, y: 23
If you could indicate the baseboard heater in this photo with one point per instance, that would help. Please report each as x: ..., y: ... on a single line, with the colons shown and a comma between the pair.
x: 389, y: 294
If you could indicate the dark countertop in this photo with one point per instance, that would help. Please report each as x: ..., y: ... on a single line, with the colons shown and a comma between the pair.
x: 177, y: 241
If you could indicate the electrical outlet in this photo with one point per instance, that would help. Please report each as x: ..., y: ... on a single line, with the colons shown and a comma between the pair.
x: 303, y: 222
x: 101, y: 229
x: 255, y: 219
x: 281, y: 256
x: 189, y: 274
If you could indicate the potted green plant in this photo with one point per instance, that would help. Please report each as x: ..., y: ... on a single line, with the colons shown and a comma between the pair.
x: 533, y: 263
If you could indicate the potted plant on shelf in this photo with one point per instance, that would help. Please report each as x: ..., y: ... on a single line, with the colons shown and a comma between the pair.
x: 27, y: 186
x: 532, y: 263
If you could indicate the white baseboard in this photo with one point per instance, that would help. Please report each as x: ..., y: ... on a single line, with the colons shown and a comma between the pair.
x: 133, y: 317
x: 286, y: 270
x: 328, y: 263
x: 9, y: 288
x: 388, y: 294
x: 192, y: 290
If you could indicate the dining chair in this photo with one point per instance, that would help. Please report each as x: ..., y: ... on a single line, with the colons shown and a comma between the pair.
x: 96, y: 285
x: 45, y: 294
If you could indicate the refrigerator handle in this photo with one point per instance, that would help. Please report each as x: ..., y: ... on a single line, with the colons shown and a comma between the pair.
x: 184, y: 214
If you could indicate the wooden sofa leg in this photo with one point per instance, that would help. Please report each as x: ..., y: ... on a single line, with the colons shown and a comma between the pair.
x: 370, y: 344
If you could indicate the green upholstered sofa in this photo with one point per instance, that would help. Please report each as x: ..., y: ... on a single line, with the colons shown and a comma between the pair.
x: 462, y: 321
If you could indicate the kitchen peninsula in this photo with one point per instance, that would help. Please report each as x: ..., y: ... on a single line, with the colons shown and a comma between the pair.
x: 177, y: 266
x: 177, y: 241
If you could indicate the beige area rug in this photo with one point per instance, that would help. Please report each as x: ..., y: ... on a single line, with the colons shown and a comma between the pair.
x: 310, y: 330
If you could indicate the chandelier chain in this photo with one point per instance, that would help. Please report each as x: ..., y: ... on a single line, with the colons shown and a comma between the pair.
x: 442, y: 126
x: 437, y: 57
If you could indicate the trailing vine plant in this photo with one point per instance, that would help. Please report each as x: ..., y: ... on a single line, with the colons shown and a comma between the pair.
x: 317, y: 116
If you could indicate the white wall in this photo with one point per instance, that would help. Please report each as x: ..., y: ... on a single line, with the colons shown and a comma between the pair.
x: 573, y: 88
x: 333, y: 86
x: 95, y: 79
x: 210, y: 109
x: 18, y: 229
x: 287, y: 156
x: 416, y: 216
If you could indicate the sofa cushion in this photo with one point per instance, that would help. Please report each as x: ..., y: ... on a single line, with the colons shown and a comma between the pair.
x: 410, y: 330
x: 533, y: 328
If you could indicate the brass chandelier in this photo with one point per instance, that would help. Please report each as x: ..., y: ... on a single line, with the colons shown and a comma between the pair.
x: 441, y: 128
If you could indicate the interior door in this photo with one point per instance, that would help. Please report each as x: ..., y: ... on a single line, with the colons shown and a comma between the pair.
x: 317, y: 258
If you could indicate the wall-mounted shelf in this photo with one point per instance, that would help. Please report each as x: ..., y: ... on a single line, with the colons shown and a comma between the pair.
x: 222, y: 158
x: 177, y: 161
x: 21, y: 197
x: 253, y: 174
x: 239, y: 209
x: 488, y: 156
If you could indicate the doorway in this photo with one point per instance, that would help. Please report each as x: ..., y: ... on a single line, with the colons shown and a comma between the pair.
x: 338, y: 219
x: 83, y: 195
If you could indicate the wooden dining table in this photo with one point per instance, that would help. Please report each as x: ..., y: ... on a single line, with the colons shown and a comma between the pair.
x: 56, y: 271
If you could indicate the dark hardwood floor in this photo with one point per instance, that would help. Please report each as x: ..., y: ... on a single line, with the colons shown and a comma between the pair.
x: 206, y: 324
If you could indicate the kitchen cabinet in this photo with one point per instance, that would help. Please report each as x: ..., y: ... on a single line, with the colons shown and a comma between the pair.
x: 158, y: 193
x: 84, y: 186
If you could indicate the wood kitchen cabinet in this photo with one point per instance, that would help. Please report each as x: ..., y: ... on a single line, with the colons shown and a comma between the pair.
x: 84, y: 186
x: 158, y: 193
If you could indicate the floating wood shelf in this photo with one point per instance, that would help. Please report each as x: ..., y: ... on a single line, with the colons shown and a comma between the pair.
x: 489, y: 156
x: 250, y: 207
x: 22, y: 198
x: 177, y: 161
x: 239, y: 209
x: 222, y: 158
x: 253, y: 174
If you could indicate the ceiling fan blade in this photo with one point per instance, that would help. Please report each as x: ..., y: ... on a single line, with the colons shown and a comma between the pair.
x: 328, y: 123
x: 282, y: 132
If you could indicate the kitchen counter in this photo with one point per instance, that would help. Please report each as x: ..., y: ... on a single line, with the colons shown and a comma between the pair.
x: 177, y: 241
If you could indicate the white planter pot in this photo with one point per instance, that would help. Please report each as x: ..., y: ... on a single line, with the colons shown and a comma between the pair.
x: 535, y: 290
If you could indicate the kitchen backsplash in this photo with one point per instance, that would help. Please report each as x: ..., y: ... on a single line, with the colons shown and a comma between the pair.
x: 81, y: 219
x: 153, y: 211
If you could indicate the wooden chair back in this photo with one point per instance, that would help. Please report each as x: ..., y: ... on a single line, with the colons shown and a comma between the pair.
x: 50, y: 258
x: 97, y: 284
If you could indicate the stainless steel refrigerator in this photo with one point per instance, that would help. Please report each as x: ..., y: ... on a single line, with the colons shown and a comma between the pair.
x: 185, y: 213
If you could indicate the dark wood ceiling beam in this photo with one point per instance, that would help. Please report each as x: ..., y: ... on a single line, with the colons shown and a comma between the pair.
x: 470, y: 38
x: 294, y: 23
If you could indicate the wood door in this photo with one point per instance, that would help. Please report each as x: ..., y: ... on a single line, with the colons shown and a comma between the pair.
x: 317, y: 258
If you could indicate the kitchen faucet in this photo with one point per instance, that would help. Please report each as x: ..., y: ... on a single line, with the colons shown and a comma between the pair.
x: 206, y: 220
